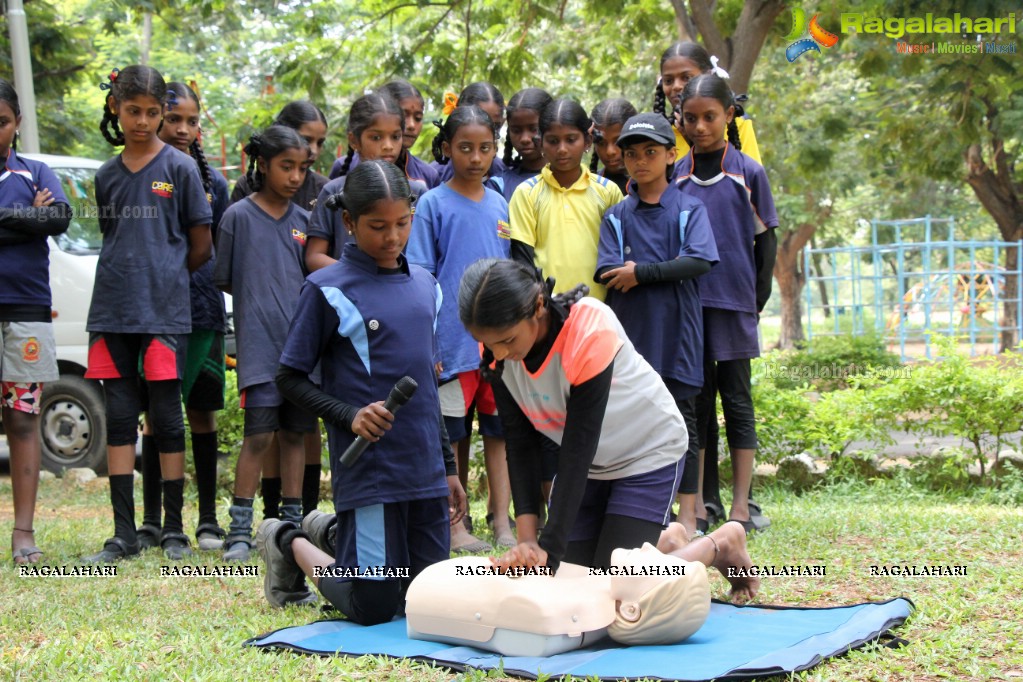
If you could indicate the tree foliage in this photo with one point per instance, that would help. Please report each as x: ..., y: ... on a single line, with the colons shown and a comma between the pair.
x: 857, y: 132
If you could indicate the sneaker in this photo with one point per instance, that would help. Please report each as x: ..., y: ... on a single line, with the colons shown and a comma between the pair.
x: 149, y: 535
x: 283, y: 581
x: 321, y: 529
x: 209, y: 537
x: 237, y: 549
x: 113, y: 549
x: 175, y: 546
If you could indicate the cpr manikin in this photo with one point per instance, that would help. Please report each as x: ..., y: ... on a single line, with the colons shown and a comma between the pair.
x: 646, y: 597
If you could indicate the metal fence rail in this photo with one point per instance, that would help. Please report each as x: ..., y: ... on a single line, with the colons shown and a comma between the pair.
x: 907, y: 286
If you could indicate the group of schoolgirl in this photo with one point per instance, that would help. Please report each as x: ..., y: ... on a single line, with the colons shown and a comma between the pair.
x: 586, y: 427
x: 593, y: 407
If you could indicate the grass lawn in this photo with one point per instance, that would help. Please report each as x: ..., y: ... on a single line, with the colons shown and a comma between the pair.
x: 139, y: 625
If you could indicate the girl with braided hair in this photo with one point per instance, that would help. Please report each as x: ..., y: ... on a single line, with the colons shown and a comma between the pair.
x: 488, y: 98
x: 608, y: 118
x: 376, y: 126
x: 306, y: 119
x: 735, y: 191
x: 413, y: 107
x: 680, y: 63
x: 457, y: 224
x: 523, y: 137
x: 260, y: 263
x: 204, y: 374
x: 155, y: 219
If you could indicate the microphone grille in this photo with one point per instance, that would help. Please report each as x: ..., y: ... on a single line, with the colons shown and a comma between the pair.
x: 404, y: 389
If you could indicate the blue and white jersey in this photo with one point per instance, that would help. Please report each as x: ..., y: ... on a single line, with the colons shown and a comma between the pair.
x: 368, y: 328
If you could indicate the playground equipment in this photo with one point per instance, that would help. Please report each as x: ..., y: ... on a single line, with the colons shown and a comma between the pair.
x: 906, y: 286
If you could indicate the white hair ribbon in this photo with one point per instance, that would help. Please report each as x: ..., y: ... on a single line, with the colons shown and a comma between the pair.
x: 717, y: 70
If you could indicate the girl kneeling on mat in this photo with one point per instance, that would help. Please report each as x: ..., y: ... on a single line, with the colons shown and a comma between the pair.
x: 364, y: 321
x: 577, y: 379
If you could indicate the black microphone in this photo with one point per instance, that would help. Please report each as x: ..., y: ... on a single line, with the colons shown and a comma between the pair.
x: 400, y: 394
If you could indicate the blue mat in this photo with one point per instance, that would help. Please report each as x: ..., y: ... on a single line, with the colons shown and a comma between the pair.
x: 734, y: 643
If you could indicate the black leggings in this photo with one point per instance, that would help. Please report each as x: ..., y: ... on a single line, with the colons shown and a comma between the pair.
x: 366, y: 602
x: 732, y: 379
x: 125, y: 399
x: 616, y: 531
x: 689, y: 484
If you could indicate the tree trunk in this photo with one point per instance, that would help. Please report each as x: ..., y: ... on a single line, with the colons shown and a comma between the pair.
x: 147, y: 38
x: 999, y: 195
x: 788, y: 272
x: 683, y: 23
x: 738, y: 53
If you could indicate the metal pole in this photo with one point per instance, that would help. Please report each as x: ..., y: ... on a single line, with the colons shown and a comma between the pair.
x: 22, y: 62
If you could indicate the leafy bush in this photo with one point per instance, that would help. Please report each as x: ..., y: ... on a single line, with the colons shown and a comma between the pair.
x: 830, y: 363
x: 783, y: 416
x: 980, y: 403
x: 798, y: 419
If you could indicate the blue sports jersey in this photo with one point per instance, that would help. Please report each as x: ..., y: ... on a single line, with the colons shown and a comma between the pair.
x: 369, y: 328
x: 142, y: 278
x: 449, y: 233
x: 740, y: 206
x: 262, y: 260
x: 26, y: 266
x: 664, y: 320
x: 208, y: 311
x: 512, y: 177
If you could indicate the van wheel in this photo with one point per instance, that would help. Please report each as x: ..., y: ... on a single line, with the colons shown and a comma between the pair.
x: 73, y: 425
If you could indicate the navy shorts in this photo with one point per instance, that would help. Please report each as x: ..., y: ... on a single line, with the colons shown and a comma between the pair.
x: 267, y: 411
x: 395, y: 535
x: 647, y: 497
x: 460, y: 428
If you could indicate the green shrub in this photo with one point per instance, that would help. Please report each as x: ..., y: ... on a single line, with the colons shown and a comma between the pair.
x: 944, y: 472
x: 829, y: 363
x: 980, y: 403
x: 783, y: 417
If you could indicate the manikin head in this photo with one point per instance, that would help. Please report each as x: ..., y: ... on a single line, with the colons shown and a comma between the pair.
x: 664, y: 607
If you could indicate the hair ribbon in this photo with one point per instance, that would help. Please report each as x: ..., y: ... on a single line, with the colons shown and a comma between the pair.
x: 717, y: 70
x: 450, y: 102
x: 112, y: 78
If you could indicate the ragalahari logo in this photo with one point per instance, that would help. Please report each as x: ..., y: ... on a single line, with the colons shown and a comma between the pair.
x: 818, y: 36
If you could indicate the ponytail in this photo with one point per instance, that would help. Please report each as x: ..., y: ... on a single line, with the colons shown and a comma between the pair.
x: 661, y: 101
x: 347, y: 163
x: 195, y: 149
x: 435, y: 146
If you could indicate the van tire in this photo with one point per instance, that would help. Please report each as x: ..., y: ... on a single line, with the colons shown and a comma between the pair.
x: 73, y: 425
